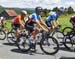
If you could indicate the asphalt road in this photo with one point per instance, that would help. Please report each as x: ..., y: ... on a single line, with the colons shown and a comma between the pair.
x: 10, y: 51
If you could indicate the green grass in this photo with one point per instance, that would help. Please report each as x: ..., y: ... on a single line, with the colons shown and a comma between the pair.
x: 64, y: 21
x: 8, y: 24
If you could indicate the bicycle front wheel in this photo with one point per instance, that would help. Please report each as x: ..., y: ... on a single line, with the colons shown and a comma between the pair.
x: 49, y: 46
x: 11, y: 37
x: 66, y: 30
x: 68, y: 42
x: 2, y: 35
x: 59, y: 36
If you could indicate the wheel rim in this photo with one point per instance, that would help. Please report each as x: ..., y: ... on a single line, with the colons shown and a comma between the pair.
x: 73, y: 41
x: 50, y: 46
x: 11, y: 38
x: 67, y: 30
x: 23, y: 44
x: 68, y: 42
x: 2, y: 35
x: 59, y: 36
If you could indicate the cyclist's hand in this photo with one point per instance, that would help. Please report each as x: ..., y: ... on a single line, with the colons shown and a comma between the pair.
x: 46, y: 30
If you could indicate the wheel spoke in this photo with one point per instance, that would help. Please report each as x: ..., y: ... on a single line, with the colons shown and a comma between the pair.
x: 48, y: 46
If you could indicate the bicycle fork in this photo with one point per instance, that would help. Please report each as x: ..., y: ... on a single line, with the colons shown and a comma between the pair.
x: 45, y: 38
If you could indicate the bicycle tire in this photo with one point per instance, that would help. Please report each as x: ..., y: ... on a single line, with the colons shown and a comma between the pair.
x: 59, y: 36
x: 2, y: 31
x: 22, y: 46
x: 45, y: 51
x: 66, y: 28
x: 11, y: 37
x: 67, y: 42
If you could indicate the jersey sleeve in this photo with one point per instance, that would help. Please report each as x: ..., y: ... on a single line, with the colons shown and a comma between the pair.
x: 36, y: 17
x: 56, y: 17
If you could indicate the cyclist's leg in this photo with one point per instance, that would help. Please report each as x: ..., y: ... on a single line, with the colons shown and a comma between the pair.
x: 21, y: 28
x: 16, y: 28
x: 18, y: 32
x: 33, y: 33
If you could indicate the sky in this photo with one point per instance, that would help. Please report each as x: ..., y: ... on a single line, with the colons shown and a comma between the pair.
x: 49, y: 4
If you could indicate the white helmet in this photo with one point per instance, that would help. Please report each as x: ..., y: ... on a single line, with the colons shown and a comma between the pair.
x: 24, y: 11
x: 1, y: 17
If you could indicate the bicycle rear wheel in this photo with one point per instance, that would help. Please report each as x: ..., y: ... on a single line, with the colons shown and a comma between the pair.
x: 23, y: 44
x: 49, y: 46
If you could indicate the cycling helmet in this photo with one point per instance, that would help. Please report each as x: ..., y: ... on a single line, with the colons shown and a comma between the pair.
x: 61, y: 10
x: 72, y: 19
x: 38, y: 9
x: 24, y: 12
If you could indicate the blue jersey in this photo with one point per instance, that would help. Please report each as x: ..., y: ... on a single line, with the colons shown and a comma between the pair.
x: 53, y: 16
x: 30, y: 22
x: 33, y: 17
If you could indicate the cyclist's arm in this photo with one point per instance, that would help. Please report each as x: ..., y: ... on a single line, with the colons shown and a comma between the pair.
x: 43, y: 22
x: 54, y: 23
x: 25, y: 19
x: 21, y: 22
x: 41, y: 25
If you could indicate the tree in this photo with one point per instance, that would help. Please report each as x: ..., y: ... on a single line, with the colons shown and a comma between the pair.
x: 65, y: 11
x: 46, y: 12
x: 1, y: 9
x: 55, y: 9
x: 70, y: 10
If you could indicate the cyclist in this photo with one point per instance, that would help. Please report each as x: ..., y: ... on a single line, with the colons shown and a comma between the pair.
x: 52, y: 19
x: 34, y: 23
x: 2, y: 21
x: 18, y: 22
x: 72, y: 20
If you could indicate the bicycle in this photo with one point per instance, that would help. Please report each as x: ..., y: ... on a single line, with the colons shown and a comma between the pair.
x: 11, y: 35
x: 69, y: 37
x: 66, y: 30
x: 46, y: 42
x: 2, y: 32
x: 58, y: 35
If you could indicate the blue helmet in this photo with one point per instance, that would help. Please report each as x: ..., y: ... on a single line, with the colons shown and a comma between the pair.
x: 38, y: 9
x: 61, y: 10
